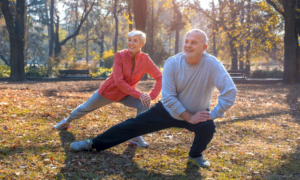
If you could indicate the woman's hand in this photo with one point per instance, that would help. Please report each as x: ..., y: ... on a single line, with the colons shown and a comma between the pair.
x: 145, y: 98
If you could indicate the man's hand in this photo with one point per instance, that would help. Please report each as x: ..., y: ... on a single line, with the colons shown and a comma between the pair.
x: 145, y: 98
x: 200, y: 116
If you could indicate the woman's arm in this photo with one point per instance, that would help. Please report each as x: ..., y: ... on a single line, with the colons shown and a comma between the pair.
x: 119, y: 78
x: 157, y: 75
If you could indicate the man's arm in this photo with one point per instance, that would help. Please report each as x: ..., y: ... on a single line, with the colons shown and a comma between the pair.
x: 227, y: 90
x: 169, y: 93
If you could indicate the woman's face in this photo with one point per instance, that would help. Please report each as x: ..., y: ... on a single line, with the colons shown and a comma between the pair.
x: 134, y: 44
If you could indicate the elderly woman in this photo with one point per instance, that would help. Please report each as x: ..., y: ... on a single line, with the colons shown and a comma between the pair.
x: 129, y: 67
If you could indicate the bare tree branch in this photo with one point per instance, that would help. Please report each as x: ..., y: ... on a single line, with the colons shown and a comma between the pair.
x: 83, y: 18
x: 279, y: 10
x: 4, y: 59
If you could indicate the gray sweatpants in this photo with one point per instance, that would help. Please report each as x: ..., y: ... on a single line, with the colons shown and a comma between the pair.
x: 97, y: 101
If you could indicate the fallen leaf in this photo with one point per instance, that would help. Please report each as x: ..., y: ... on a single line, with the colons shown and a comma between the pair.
x: 23, y: 166
x: 13, y: 146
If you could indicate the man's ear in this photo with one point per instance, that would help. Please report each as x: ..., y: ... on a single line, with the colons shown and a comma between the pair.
x: 205, y: 47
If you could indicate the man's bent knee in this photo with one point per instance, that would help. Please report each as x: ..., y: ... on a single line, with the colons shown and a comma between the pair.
x: 209, y: 126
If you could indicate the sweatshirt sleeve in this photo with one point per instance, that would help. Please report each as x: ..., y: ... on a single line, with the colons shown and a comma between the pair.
x: 156, y: 74
x: 119, y: 78
x: 169, y: 94
x: 227, y: 89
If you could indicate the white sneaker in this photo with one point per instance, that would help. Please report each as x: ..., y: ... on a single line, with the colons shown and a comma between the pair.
x: 200, y: 161
x: 85, y: 145
x: 62, y: 125
x: 138, y: 141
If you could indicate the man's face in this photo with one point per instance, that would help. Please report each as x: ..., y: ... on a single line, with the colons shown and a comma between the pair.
x: 193, y: 45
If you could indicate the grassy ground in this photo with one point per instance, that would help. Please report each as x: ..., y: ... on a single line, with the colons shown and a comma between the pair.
x: 257, y: 139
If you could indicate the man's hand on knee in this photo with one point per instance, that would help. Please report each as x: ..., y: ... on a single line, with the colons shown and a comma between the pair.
x: 198, y: 117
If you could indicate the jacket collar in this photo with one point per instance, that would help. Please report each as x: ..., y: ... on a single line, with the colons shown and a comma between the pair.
x: 137, y: 55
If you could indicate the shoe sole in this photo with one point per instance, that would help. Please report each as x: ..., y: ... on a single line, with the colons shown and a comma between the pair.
x: 195, y: 163
x: 63, y: 129
x: 137, y: 144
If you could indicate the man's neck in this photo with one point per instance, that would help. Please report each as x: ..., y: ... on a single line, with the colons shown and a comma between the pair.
x: 193, y: 60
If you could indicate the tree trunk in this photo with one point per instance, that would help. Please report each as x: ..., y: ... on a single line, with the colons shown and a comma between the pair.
x: 248, y: 41
x: 140, y: 18
x: 87, y: 42
x: 247, y: 69
x: 117, y: 26
x: 57, y: 47
x: 232, y: 38
x: 51, y: 35
x: 176, y: 41
x: 25, y: 41
x: 76, y: 24
x: 298, y: 33
x: 291, y: 66
x: 233, y: 52
x: 140, y: 14
x: 16, y: 30
x: 102, y: 45
x: 152, y: 31
x: 241, y: 58
x: 178, y: 26
x: 129, y: 14
x: 241, y: 42
x: 17, y: 59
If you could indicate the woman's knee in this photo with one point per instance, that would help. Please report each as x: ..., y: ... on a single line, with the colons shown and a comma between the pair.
x: 140, y: 108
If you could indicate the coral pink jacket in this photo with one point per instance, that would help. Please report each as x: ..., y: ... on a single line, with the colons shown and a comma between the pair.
x: 122, y: 81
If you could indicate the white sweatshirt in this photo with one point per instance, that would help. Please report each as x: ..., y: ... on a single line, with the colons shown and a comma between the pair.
x: 190, y: 87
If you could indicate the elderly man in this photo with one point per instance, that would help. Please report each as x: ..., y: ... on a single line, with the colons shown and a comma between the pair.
x: 189, y: 79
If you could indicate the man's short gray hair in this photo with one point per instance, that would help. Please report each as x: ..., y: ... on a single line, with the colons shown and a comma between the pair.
x: 138, y: 33
x: 202, y: 34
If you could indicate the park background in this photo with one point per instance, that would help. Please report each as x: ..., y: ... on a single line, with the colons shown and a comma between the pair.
x: 40, y: 37
x: 257, y: 139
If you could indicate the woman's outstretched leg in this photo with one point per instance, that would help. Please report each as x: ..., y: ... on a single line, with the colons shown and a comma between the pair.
x: 94, y: 102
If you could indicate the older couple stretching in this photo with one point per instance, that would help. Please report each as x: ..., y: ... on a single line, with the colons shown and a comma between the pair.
x: 189, y: 79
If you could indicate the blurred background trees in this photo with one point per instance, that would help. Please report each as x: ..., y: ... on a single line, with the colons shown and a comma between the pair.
x: 245, y: 35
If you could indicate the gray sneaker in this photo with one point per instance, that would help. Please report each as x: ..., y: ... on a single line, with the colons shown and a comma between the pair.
x: 138, y: 141
x: 85, y: 145
x: 62, y: 125
x: 200, y: 161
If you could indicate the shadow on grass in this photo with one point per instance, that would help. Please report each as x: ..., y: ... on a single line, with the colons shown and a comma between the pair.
x: 105, y: 164
x: 255, y: 117
x: 291, y: 168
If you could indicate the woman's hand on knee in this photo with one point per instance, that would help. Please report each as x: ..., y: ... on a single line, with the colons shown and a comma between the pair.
x: 146, y: 99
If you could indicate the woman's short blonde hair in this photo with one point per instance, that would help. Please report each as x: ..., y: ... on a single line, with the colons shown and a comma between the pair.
x: 138, y: 33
